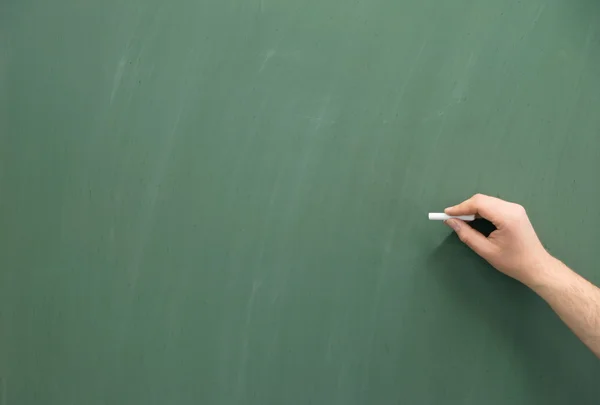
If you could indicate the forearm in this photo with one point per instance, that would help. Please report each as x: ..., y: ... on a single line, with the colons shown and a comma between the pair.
x: 575, y: 300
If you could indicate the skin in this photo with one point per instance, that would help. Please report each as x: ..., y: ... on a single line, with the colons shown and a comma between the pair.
x: 515, y: 250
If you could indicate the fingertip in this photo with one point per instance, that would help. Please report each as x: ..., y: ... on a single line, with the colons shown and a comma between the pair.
x: 454, y: 224
x: 449, y: 209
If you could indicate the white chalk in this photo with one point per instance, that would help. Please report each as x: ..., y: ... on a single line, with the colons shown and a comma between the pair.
x: 439, y: 216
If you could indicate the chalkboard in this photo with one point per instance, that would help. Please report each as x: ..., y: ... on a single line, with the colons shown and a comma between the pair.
x: 224, y: 201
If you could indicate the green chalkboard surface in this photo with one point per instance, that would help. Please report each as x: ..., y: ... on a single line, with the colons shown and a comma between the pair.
x: 224, y: 201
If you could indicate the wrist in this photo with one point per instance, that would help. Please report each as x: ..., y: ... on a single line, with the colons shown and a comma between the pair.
x: 544, y: 272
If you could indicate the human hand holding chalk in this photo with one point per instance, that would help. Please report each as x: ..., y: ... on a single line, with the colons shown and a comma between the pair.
x: 440, y: 216
x: 513, y: 248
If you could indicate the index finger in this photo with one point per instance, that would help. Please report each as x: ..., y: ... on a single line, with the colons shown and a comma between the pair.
x: 480, y: 205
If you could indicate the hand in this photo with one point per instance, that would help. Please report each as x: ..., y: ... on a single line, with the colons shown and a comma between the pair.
x: 513, y: 248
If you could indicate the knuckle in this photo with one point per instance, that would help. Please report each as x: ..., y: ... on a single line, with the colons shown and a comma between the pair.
x: 520, y: 210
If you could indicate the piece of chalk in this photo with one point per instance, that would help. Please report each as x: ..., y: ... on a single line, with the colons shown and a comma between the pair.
x: 440, y: 216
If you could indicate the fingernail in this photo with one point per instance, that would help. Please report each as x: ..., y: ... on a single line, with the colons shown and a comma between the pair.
x: 453, y: 223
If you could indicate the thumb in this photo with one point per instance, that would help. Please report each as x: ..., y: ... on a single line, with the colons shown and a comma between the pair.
x: 470, y: 237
